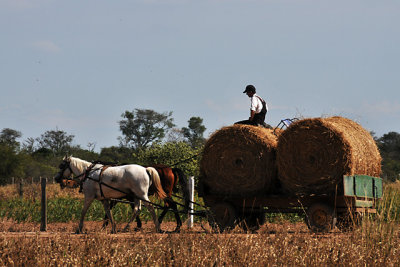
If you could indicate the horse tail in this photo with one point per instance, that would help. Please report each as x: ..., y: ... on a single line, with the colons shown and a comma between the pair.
x: 155, y: 178
x: 181, y: 177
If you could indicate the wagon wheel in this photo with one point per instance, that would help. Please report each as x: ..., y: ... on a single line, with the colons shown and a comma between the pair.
x: 251, y: 221
x: 223, y: 216
x: 320, y: 218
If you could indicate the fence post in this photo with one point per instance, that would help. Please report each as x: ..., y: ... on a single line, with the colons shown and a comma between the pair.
x: 43, y: 224
x: 21, y: 189
x: 191, y: 197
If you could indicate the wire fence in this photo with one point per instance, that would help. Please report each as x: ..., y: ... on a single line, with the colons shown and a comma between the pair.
x: 26, y: 180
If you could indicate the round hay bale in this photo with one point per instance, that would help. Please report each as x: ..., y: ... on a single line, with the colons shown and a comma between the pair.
x: 239, y: 160
x: 314, y: 154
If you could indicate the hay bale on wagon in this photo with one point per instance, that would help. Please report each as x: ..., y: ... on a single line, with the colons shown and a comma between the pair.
x: 314, y: 154
x: 239, y: 160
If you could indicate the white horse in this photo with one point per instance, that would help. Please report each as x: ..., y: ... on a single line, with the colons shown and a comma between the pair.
x: 113, y: 182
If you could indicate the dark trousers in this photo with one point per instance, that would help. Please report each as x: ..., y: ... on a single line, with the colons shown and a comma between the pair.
x: 258, y: 119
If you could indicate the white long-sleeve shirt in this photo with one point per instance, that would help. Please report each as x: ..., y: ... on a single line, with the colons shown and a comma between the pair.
x: 256, y: 104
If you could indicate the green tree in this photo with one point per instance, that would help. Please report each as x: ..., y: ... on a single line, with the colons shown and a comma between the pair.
x: 116, y: 154
x: 37, y: 167
x: 195, y: 131
x: 86, y: 154
x: 389, y: 146
x: 29, y: 145
x: 10, y: 163
x: 58, y: 141
x: 142, y: 127
x: 9, y: 137
x: 174, y: 154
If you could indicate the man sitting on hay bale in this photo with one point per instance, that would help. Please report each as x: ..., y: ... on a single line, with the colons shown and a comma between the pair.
x: 258, y: 109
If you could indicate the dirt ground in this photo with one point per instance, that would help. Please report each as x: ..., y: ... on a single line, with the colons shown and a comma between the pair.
x: 10, y: 228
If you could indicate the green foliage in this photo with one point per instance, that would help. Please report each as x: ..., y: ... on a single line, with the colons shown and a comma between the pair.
x: 180, y: 155
x: 143, y: 127
x: 116, y: 154
x: 57, y: 141
x: 9, y: 137
x: 10, y: 163
x: 389, y: 146
x: 194, y: 132
x: 83, y: 154
x: 66, y: 210
x: 37, y: 168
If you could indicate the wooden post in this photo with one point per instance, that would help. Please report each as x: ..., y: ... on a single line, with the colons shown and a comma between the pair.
x: 191, y: 197
x: 43, y: 224
x: 21, y: 189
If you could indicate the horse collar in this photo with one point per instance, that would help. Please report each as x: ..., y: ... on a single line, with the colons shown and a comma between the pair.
x: 85, y: 176
x: 100, y: 182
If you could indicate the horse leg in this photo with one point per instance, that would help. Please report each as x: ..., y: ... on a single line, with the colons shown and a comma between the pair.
x: 177, y: 217
x: 86, y: 205
x: 106, y: 219
x: 165, y: 210
x: 174, y: 207
x: 138, y: 223
x: 150, y: 208
x: 106, y: 205
x: 136, y: 209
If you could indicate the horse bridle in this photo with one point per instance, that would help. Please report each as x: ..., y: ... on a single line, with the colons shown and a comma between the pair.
x: 76, y: 181
x: 68, y: 181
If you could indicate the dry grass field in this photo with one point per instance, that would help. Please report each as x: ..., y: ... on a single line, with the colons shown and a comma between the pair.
x: 273, y: 244
x: 373, y: 243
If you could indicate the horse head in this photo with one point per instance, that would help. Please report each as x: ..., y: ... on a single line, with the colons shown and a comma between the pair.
x: 65, y: 172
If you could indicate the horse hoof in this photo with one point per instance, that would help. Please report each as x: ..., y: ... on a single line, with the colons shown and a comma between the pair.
x: 177, y: 230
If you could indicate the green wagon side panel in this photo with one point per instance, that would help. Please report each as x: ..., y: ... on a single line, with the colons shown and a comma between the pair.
x: 364, y: 203
x: 362, y: 186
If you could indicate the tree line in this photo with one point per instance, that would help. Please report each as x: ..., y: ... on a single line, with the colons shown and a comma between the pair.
x: 147, y: 137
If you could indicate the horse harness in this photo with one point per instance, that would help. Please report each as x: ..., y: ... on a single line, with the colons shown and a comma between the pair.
x: 100, y: 182
x: 86, y: 175
x: 78, y: 181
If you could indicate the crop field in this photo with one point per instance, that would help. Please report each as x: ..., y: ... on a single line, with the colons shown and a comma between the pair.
x: 283, y: 240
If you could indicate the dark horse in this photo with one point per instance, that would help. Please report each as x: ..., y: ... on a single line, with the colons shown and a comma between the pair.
x: 169, y: 178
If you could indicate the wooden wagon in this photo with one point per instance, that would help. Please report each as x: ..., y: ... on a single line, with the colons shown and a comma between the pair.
x: 354, y: 197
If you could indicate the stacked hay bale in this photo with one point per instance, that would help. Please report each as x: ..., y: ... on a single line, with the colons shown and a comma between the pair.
x: 314, y: 154
x: 239, y: 160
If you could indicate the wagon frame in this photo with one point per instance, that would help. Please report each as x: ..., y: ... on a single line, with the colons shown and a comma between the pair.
x: 354, y: 197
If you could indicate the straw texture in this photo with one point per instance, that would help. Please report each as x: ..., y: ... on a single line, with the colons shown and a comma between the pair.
x: 314, y: 154
x: 239, y: 160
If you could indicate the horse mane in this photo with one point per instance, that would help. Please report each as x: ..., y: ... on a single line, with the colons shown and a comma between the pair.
x: 80, y: 164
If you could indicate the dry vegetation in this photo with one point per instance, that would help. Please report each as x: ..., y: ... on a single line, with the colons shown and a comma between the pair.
x: 375, y: 242
x: 32, y: 192
x: 273, y: 245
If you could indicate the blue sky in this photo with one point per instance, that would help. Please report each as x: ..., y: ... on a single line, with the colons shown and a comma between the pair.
x: 78, y: 65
